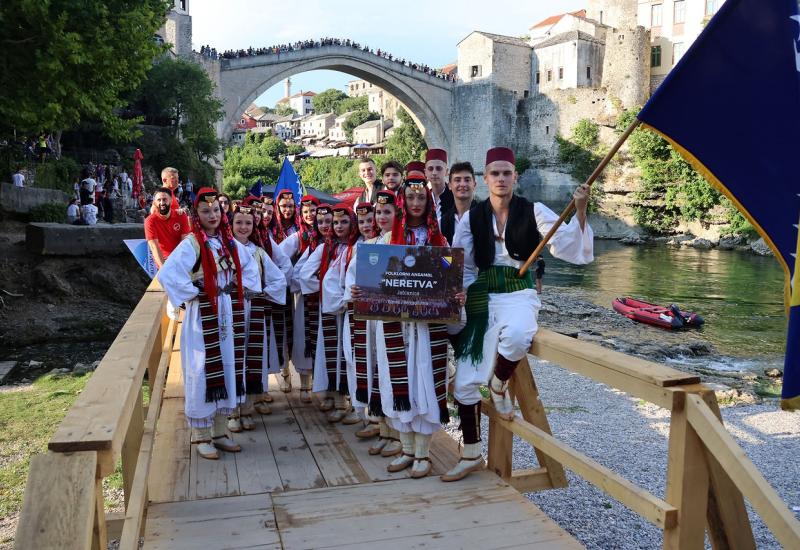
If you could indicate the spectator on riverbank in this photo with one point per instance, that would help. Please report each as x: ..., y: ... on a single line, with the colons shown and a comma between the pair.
x: 18, y: 178
x: 88, y: 185
x: 89, y: 211
x: 165, y: 227
x: 108, y: 207
x: 73, y: 211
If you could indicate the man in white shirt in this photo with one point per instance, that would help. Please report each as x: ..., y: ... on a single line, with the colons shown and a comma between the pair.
x: 90, y: 212
x: 18, y: 178
x: 73, y: 212
x: 436, y: 174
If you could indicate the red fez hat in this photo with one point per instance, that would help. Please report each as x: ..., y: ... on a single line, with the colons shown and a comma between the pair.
x: 499, y: 153
x: 323, y: 209
x: 415, y: 170
x: 206, y: 194
x: 285, y: 193
x: 386, y: 197
x: 364, y: 208
x: 250, y: 200
x: 309, y: 199
x: 436, y: 154
x: 268, y: 199
x: 342, y: 207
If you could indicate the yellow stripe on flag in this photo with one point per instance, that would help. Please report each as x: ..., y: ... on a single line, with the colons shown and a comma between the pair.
x: 796, y: 279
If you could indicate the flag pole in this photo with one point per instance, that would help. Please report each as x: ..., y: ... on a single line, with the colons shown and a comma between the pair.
x: 571, y: 206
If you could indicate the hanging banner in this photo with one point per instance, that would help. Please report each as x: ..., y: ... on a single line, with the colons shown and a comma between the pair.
x: 409, y: 283
x: 141, y: 252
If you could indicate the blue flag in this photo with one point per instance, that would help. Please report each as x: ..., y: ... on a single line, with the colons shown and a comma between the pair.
x: 256, y: 189
x: 731, y: 107
x: 288, y: 180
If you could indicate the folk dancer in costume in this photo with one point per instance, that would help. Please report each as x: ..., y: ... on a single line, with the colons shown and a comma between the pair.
x: 324, y: 272
x: 258, y: 312
x: 289, y: 223
x: 366, y: 171
x: 412, y: 356
x: 436, y: 174
x: 209, y: 271
x: 297, y: 247
x: 355, y: 330
x: 388, y: 442
x: 265, y: 231
x: 461, y: 182
x: 391, y: 175
x: 498, y: 235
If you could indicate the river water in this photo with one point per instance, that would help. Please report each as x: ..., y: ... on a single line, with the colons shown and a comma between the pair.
x: 739, y: 294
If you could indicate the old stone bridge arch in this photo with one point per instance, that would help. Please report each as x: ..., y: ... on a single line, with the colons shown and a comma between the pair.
x: 240, y: 81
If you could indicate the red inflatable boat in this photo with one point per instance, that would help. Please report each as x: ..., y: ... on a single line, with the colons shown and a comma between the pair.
x: 653, y: 314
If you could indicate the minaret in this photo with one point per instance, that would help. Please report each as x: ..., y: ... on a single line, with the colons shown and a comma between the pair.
x: 288, y: 88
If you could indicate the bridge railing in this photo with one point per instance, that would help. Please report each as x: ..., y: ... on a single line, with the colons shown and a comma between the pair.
x: 707, y: 475
x: 63, y: 505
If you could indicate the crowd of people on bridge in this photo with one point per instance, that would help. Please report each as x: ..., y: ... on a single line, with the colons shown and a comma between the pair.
x: 267, y: 286
x: 208, y: 51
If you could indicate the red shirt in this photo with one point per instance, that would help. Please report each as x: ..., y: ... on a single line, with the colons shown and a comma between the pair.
x: 168, y: 231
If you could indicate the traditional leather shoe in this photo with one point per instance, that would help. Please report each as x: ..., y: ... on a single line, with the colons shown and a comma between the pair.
x: 305, y: 388
x: 266, y: 397
x: 351, y: 418
x: 471, y: 461
x: 421, y: 468
x: 225, y: 443
x: 369, y: 431
x: 392, y: 448
x: 336, y: 416
x: 326, y: 404
x: 202, y: 438
x: 498, y: 389
x: 247, y: 422
x: 234, y: 424
x: 286, y: 381
x: 400, y: 463
x: 261, y: 407
x: 378, y: 446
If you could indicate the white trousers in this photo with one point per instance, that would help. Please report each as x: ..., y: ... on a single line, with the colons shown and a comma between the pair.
x: 512, y: 325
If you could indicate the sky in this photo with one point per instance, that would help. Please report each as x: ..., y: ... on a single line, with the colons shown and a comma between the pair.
x: 423, y: 31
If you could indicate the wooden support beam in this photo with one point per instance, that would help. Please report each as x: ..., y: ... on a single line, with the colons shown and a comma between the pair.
x: 99, y: 531
x: 527, y: 394
x: 637, y: 499
x: 530, y: 480
x: 130, y: 447
x: 500, y: 449
x: 687, y: 482
x: 58, y: 508
x: 763, y: 498
x: 114, y: 523
x: 135, y: 509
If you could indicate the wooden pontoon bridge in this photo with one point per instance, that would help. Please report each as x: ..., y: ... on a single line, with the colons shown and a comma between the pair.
x: 301, y: 483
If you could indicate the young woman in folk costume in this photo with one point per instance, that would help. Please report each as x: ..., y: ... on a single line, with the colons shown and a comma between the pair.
x: 412, y: 356
x: 210, y: 272
x: 258, y: 311
x: 324, y: 272
x: 367, y: 391
x: 301, y: 349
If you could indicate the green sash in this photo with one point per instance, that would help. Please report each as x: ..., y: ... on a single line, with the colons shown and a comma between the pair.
x: 498, y: 279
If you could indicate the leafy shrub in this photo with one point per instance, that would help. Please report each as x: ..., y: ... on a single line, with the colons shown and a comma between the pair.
x: 58, y: 174
x: 521, y: 164
x: 49, y: 212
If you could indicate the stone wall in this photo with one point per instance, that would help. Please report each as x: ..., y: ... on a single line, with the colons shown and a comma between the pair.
x: 61, y: 239
x: 615, y: 13
x: 626, y: 65
x: 512, y: 67
x: 20, y: 200
x: 178, y: 32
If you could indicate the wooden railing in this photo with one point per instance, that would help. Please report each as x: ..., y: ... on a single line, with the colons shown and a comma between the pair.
x: 708, y: 474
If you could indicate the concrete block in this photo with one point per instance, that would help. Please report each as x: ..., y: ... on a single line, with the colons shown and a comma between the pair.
x: 21, y: 199
x: 60, y: 239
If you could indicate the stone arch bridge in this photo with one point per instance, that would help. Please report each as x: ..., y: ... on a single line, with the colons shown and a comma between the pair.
x: 241, y: 80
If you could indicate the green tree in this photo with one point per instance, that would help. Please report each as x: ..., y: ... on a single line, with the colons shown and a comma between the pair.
x: 256, y: 158
x: 331, y: 174
x: 64, y: 61
x: 327, y: 101
x: 352, y: 104
x: 406, y: 142
x: 180, y: 95
x: 357, y: 119
x: 284, y: 110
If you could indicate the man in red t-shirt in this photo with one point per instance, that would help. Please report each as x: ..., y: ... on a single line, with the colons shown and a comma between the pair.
x: 165, y: 227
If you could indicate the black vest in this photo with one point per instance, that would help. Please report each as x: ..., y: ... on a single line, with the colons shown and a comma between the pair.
x: 448, y: 222
x: 522, y: 234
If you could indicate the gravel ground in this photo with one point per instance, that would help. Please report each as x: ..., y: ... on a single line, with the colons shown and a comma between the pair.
x: 630, y: 437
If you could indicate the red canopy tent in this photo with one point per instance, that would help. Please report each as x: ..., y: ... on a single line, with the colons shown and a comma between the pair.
x: 349, y: 196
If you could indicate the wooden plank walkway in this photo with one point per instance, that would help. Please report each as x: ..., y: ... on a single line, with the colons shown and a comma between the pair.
x: 300, y: 482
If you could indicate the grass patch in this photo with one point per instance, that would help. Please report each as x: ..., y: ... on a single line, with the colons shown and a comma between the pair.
x: 767, y: 388
x: 28, y: 418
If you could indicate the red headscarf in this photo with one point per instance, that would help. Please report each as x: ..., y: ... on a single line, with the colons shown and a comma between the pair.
x: 400, y: 231
x: 332, y: 245
x: 364, y: 208
x: 207, y: 260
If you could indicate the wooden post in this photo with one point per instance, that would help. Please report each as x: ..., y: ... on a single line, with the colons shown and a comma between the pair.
x: 99, y: 533
x: 687, y: 482
x: 524, y: 388
x: 130, y: 447
x: 500, y: 449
